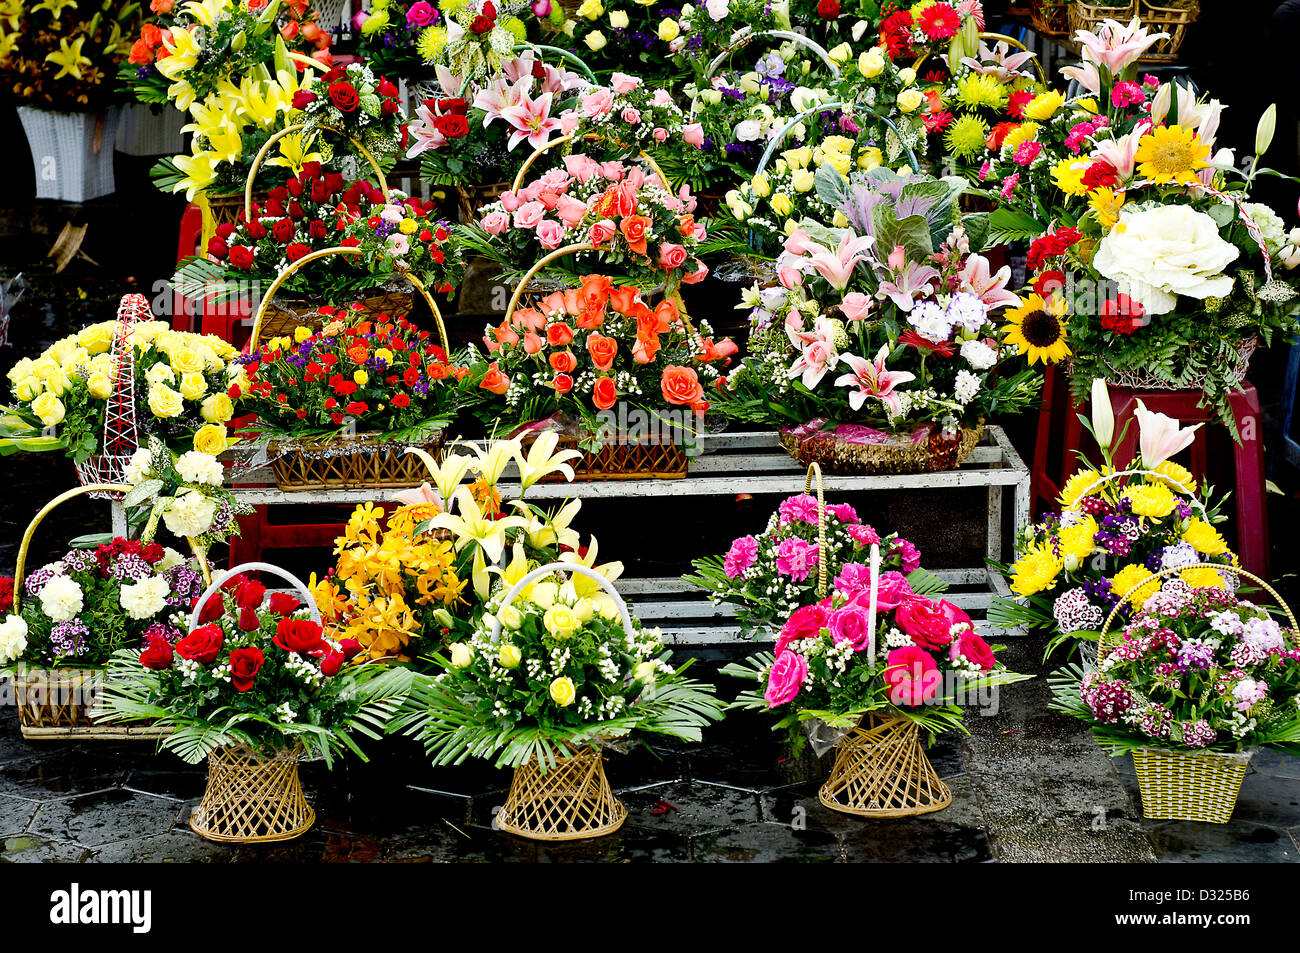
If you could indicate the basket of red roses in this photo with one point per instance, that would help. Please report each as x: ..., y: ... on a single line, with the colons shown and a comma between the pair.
x: 255, y: 687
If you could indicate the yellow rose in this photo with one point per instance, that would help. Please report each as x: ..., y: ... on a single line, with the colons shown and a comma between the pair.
x: 669, y: 30
x: 510, y: 617
x: 798, y: 158
x: 210, y: 439
x: 543, y: 594
x: 186, y: 361
x: 871, y: 63
x: 644, y: 671
x: 165, y: 402
x: 910, y: 99
x: 461, y: 654
x: 563, y: 692
x: 160, y: 374
x: 870, y: 158
x: 49, y: 408
x: 561, y: 621
x: 302, y: 332
x: 583, y: 611
x: 407, y: 226
x: 711, y: 96
x: 839, y: 219
x: 43, y: 366
x: 100, y: 386
x: 840, y: 54
x: 606, y: 608
x: 28, y: 388
x: 907, y: 75
x: 510, y: 656
x: 97, y: 338
x: 838, y: 161
x: 591, y: 9
x: 217, y: 408
x: 802, y: 180
x: 761, y: 186
x: 595, y: 40
x: 361, y: 377
x: 193, y: 386
x: 782, y: 204
x: 57, y: 382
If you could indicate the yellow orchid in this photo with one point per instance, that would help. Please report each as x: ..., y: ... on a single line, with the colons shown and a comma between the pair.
x: 69, y: 58
x: 448, y: 475
x: 471, y: 525
x: 542, y: 459
x: 294, y: 154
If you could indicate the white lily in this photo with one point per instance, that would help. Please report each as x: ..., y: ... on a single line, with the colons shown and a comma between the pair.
x: 542, y: 459
x: 1103, y: 415
x: 448, y: 475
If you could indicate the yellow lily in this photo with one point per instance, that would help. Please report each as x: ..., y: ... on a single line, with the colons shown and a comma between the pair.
x: 294, y: 154
x: 585, y: 586
x: 516, y: 569
x: 542, y: 459
x: 225, y: 143
x: 260, y: 102
x: 207, y: 12
x: 448, y: 476
x: 492, y: 461
x: 184, y: 50
x: 198, y: 174
x: 69, y: 58
x: 471, y: 525
x: 56, y: 7
x: 555, y: 529
x: 8, y: 43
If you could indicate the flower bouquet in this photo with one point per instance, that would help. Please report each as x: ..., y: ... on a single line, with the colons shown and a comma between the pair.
x: 61, y: 64
x: 353, y: 101
x: 253, y: 686
x: 1196, y: 680
x: 629, y: 37
x: 474, y: 38
x: 557, y: 671
x: 611, y: 374
x: 1118, y: 524
x: 388, y: 33
x: 184, y: 493
x: 65, y: 620
x: 866, y: 669
x: 339, y: 406
x: 880, y: 352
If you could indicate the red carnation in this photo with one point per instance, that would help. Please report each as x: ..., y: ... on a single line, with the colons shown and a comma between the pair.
x: 6, y: 593
x: 1122, y: 315
x: 400, y: 400
x: 244, y: 666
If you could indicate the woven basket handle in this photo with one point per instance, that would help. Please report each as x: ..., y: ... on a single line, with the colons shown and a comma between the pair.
x: 290, y: 130
x: 288, y: 577
x: 1105, y: 629
x: 815, y: 473
x: 45, y: 511
x: 748, y: 36
x: 1106, y: 478
x: 265, y: 303
x: 549, y: 569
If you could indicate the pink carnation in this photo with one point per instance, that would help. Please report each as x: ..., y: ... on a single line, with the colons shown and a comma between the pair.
x: 864, y: 535
x: 798, y: 509
x: 796, y: 559
x: 740, y: 557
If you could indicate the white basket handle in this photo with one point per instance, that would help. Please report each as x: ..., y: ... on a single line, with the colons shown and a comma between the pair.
x: 261, y: 567
x: 549, y: 569
x: 1106, y: 478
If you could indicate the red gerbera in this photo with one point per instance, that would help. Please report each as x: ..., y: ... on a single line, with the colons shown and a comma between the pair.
x: 1017, y: 102
x: 937, y: 120
x: 939, y: 21
x: 910, y: 338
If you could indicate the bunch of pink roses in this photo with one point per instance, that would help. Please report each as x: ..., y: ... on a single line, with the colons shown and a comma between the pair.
x: 629, y: 114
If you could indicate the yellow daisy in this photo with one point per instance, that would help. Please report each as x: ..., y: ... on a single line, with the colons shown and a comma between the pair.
x: 1153, y: 500
x: 1038, y: 328
x: 1177, y: 477
x: 1171, y: 154
x: 1077, y: 538
x: 1023, y: 133
x: 1106, y: 203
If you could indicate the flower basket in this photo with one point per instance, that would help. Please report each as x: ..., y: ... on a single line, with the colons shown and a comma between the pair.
x: 252, y: 799
x: 881, y: 771
x: 471, y: 198
x: 571, y: 800
x: 1139, y: 378
x: 1173, y: 20
x: 60, y: 703
x: 866, y: 453
x: 653, y: 456
x: 1049, y: 17
x: 283, y: 315
x: 1088, y: 16
x: 1190, y: 785
x: 363, y: 461
x: 72, y: 152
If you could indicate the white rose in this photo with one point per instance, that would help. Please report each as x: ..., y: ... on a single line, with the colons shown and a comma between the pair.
x: 748, y: 130
x: 146, y: 598
x: 1158, y: 254
x: 195, y: 467
x: 61, y: 599
x: 13, y: 638
x: 190, y: 514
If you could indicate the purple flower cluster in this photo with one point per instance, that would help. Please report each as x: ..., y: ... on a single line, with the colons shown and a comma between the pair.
x: 69, y: 638
x: 130, y: 566
x: 1194, y: 653
x: 1198, y: 734
x: 163, y: 630
x: 36, y: 581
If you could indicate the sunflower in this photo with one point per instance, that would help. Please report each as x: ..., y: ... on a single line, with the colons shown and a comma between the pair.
x: 1038, y: 328
x: 1106, y: 203
x: 1171, y: 154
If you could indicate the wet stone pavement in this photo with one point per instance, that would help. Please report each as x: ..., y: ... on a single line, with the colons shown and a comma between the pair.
x: 1026, y: 785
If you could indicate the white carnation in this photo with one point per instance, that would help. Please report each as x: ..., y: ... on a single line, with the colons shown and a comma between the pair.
x: 171, y: 559
x: 146, y: 598
x: 61, y: 598
x: 13, y: 638
x: 196, y: 467
x: 1158, y: 254
x: 978, y: 354
x: 141, y: 465
x: 965, y: 387
x: 190, y: 514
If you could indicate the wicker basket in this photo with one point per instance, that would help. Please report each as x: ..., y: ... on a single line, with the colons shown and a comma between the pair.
x: 470, y: 199
x: 73, y: 152
x: 570, y: 801
x: 252, y: 799
x: 1089, y: 16
x: 1162, y: 18
x: 363, y: 462
x: 1190, y: 785
x: 882, y: 771
x: 836, y: 455
x: 1050, y: 17
x: 652, y: 457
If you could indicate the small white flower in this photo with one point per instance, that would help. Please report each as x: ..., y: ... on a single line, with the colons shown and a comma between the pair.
x: 61, y: 599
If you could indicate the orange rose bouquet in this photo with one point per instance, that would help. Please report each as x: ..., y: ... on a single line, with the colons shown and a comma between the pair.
x: 588, y: 352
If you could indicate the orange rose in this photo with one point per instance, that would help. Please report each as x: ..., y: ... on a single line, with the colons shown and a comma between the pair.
x: 603, y: 350
x: 622, y: 299
x: 528, y: 318
x: 562, y: 383
x: 358, y: 354
x: 563, y: 362
x: 495, y: 381
x: 645, y: 350
x: 681, y: 385
x: 595, y: 291
x: 438, y: 372
x: 604, y: 393
x: 558, y: 335
x: 688, y: 225
x: 573, y: 301
x: 634, y: 229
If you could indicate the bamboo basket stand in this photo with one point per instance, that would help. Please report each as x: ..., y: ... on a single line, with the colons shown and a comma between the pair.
x: 1184, y: 784
x: 882, y: 771
x: 253, y: 798
x: 59, y: 703
x: 1163, y: 18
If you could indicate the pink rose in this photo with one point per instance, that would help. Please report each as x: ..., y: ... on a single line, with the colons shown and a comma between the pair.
x: 530, y: 215
x: 550, y: 233
x: 671, y: 256
x: 893, y: 590
x: 570, y: 120
x: 789, y: 276
x: 581, y: 167
x: 785, y: 679
x: 693, y: 135
x: 570, y: 210
x: 925, y: 622
x: 549, y: 199
x: 662, y: 97
x: 596, y: 103
x: 510, y: 201
x: 805, y: 623
x: 614, y: 171
x: 624, y: 83
x: 602, y: 232
x: 912, y: 676
x: 660, y: 134
x: 954, y: 615
x: 631, y: 116
x: 699, y: 274
x: 974, y: 649
x: 850, y: 624
x: 494, y: 223
x: 421, y: 14
x: 855, y: 306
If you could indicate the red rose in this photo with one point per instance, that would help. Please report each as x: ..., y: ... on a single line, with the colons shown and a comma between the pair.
x: 563, y: 362
x: 202, y: 645
x: 344, y: 97
x: 356, y: 408
x: 157, y: 655
x: 297, y: 250
x: 241, y: 257
x: 681, y: 385
x: 828, y: 9
x: 451, y: 125
x: 296, y: 211
x: 457, y: 105
x: 248, y: 620
x: 303, y: 98
x: 805, y: 623
x: 400, y: 400
x: 244, y: 666
x: 250, y: 595
x: 282, y: 603
x: 482, y: 24
x: 350, y: 648
x: 387, y: 88
x: 300, y: 635
x: 389, y: 107
x: 282, y: 231
x: 331, y: 664
x: 558, y: 335
x: 218, y: 248
x: 912, y: 676
x: 925, y: 621
x: 256, y: 231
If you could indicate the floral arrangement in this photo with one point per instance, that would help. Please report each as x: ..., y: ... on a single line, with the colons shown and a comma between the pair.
x: 555, y: 668
x: 630, y: 217
x: 181, y: 386
x: 613, y: 37
x: 63, y: 64
x: 315, y: 210
x: 383, y: 376
x: 632, y: 116
x: 473, y: 38
x: 1197, y: 668
x: 1117, y: 525
x: 578, y: 352
x: 883, y: 330
x: 255, y: 671
x: 184, y: 492
x: 771, y: 576
x: 352, y: 99
x: 444, y: 537
x: 80, y: 609
x: 899, y: 654
x: 389, y: 31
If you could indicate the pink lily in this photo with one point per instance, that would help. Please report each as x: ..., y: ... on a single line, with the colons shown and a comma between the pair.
x: 908, y: 282
x: 1086, y: 75
x: 1160, y: 437
x: 1114, y: 45
x: 817, y: 352
x: 998, y: 61
x: 420, y: 495
x: 424, y: 134
x: 532, y: 121
x: 837, y: 266
x: 495, y: 98
x: 991, y: 289
x: 1122, y: 152
x: 872, y: 380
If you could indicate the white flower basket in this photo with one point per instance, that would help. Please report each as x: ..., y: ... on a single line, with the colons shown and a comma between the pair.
x: 143, y: 132
x: 73, y: 152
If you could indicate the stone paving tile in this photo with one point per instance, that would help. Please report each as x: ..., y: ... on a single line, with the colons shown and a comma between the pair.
x: 171, y: 847
x: 1237, y: 842
x: 629, y: 844
x: 1268, y: 761
x: 696, y: 808
x: 438, y: 841
x: 766, y: 842
x: 60, y: 773
x: 15, y: 814
x: 105, y: 817
x: 34, y: 849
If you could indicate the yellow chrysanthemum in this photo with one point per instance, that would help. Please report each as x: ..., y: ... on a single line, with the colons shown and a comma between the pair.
x: 1025, y: 132
x: 1106, y: 204
x: 1177, y: 477
x: 1044, y: 106
x: 1078, y: 486
x: 1068, y: 176
x: 1038, y: 328
x: 1130, y: 576
x: 965, y: 137
x: 1171, y: 154
x: 1077, y: 538
x: 980, y: 91
x: 431, y: 44
x: 1035, y: 571
x: 1154, y: 500
x: 1202, y: 578
x: 1204, y: 538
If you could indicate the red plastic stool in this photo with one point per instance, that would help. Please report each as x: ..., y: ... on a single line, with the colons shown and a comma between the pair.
x: 1248, y: 455
x: 257, y: 534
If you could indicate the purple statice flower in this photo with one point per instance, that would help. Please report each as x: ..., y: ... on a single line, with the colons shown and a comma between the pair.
x: 69, y: 638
